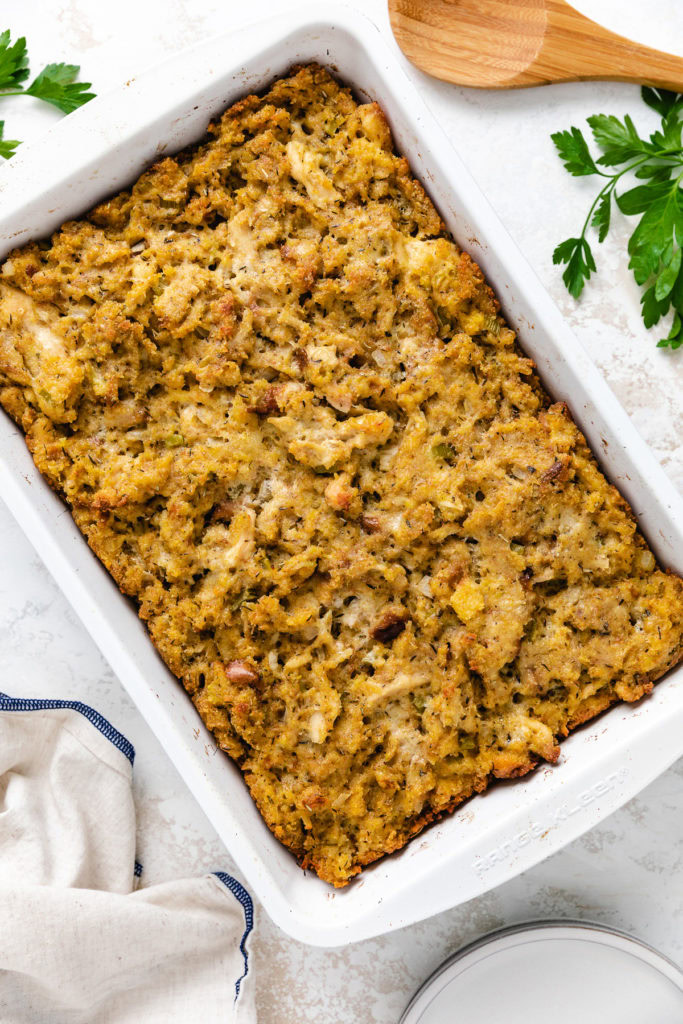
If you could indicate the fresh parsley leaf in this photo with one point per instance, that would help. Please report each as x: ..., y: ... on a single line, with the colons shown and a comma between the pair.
x: 652, y: 311
x: 676, y: 296
x: 576, y: 253
x: 640, y: 198
x: 13, y: 62
x: 574, y: 152
x: 653, y: 235
x: 656, y: 172
x: 7, y: 146
x: 656, y: 245
x: 667, y: 277
x: 565, y: 250
x: 56, y: 84
x: 674, y: 338
x: 601, y: 217
x: 661, y: 100
x: 670, y: 136
x: 618, y: 140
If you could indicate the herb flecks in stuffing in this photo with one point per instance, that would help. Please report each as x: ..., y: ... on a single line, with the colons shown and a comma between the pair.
x: 290, y: 420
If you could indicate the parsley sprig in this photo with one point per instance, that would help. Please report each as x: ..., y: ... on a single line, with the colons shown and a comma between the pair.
x: 7, y: 146
x: 655, y: 245
x: 56, y: 84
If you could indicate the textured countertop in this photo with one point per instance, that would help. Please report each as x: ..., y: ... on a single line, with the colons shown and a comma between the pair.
x: 622, y: 873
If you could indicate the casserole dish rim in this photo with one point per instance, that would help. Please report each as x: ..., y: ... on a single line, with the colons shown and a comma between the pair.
x: 104, y: 146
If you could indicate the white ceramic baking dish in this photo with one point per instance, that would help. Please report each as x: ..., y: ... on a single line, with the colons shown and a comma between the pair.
x: 494, y: 837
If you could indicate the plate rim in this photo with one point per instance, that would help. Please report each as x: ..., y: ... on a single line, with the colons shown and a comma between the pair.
x: 674, y: 972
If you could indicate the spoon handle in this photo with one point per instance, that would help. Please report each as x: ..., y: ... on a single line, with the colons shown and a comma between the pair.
x: 575, y: 48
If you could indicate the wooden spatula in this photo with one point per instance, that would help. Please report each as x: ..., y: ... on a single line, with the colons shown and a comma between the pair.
x: 503, y: 44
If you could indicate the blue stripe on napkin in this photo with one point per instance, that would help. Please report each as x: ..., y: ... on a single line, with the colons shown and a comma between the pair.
x: 94, y: 717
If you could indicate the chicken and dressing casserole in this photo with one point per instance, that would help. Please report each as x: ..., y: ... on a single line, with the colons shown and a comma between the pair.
x: 287, y: 415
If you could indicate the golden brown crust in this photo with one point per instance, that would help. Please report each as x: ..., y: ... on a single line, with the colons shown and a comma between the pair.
x: 289, y: 419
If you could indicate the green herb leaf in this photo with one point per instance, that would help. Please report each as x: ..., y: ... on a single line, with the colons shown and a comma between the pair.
x: 670, y: 136
x: 574, y: 152
x: 674, y: 338
x: 618, y: 140
x: 642, y: 197
x: 676, y: 296
x: 601, y: 217
x: 7, y: 146
x: 667, y: 277
x: 13, y: 62
x: 653, y: 310
x: 56, y: 84
x: 576, y: 253
x: 661, y: 100
x: 654, y: 233
x: 656, y: 245
x: 656, y: 172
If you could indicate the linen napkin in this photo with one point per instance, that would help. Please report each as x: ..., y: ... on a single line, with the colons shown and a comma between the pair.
x: 79, y: 943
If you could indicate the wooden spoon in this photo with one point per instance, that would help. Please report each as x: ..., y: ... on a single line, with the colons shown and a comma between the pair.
x: 503, y: 44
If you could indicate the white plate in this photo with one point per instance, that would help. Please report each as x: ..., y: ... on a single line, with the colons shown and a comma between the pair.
x: 564, y: 972
x: 103, y: 147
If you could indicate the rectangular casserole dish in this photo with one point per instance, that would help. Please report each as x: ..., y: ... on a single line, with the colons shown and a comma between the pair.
x: 101, y: 149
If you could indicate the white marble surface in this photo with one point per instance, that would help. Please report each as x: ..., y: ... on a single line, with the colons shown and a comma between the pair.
x: 626, y: 872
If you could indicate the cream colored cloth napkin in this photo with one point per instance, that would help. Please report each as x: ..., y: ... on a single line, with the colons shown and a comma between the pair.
x: 79, y: 943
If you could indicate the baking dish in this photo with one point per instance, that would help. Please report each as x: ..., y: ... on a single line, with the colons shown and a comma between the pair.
x: 102, y: 148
